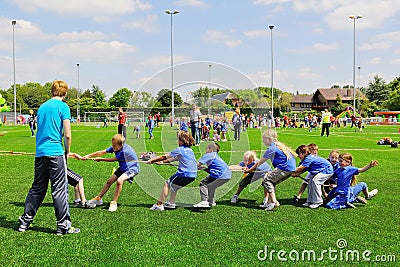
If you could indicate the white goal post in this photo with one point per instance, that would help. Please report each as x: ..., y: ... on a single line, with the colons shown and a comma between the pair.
x: 111, y: 117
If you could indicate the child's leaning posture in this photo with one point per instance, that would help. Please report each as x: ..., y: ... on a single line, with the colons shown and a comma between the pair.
x: 249, y: 159
x: 137, y: 130
x: 186, y: 173
x: 283, y: 160
x: 313, y: 148
x: 319, y: 170
x: 216, y: 136
x: 341, y: 196
x: 219, y: 174
x: 128, y: 168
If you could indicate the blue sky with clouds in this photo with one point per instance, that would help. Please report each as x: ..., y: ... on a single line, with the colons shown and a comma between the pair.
x: 126, y: 43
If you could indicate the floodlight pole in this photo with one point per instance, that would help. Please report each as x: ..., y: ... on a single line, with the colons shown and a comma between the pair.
x: 168, y: 12
x: 15, y: 89
x: 272, y: 74
x: 354, y: 18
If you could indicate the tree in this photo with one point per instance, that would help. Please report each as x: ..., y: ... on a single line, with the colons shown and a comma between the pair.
x: 142, y: 99
x: 120, y: 98
x: 164, y: 98
x: 99, y: 97
x: 338, y: 107
x: 377, y: 90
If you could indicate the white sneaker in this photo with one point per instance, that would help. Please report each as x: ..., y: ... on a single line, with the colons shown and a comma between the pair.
x: 270, y: 207
x: 202, y: 204
x: 306, y: 204
x: 156, y: 207
x: 96, y: 200
x: 169, y: 206
x: 314, y: 206
x: 372, y: 194
x: 234, y: 199
x: 264, y: 205
x: 113, y: 206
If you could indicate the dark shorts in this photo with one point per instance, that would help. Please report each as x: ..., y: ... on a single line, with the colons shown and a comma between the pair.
x: 245, y: 181
x: 129, y: 173
x: 176, y: 182
x: 73, y: 177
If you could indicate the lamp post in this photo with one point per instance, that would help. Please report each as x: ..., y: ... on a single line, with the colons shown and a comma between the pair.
x: 15, y: 89
x: 77, y: 98
x: 354, y: 18
x: 358, y: 83
x: 272, y: 75
x: 171, y: 13
x: 209, y: 89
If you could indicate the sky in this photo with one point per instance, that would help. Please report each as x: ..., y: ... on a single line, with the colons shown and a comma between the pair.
x: 224, y: 43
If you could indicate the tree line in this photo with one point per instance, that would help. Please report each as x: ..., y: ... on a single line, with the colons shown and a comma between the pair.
x: 379, y: 95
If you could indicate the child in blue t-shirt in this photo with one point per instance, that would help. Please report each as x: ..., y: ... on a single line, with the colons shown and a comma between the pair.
x: 219, y: 174
x: 128, y: 168
x: 184, y: 125
x: 187, y: 170
x: 151, y: 124
x: 283, y: 160
x: 319, y: 170
x: 249, y: 159
x: 341, y: 196
x: 224, y: 129
x: 137, y: 130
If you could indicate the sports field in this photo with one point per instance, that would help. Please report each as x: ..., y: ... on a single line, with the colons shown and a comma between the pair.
x: 225, y: 235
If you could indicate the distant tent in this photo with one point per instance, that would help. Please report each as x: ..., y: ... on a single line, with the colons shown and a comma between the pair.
x: 348, y: 112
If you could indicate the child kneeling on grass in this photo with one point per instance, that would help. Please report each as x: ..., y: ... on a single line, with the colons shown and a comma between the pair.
x: 186, y: 173
x: 219, y: 175
x: 343, y: 196
x: 128, y: 168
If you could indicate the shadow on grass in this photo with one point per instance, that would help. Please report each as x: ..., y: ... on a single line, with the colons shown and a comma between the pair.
x: 5, y: 223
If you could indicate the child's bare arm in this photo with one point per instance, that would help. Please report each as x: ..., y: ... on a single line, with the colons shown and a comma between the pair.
x: 105, y: 159
x: 373, y: 163
x: 299, y: 170
x: 94, y: 154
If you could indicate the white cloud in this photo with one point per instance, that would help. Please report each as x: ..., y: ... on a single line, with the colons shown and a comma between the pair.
x: 397, y: 51
x: 390, y: 36
x: 213, y: 36
x: 307, y: 74
x: 81, y: 36
x: 270, y: 2
x: 376, y: 46
x: 375, y: 60
x: 195, y: 3
x: 93, y: 51
x: 317, y: 47
x: 147, y: 25
x: 256, y: 33
x: 91, y: 8
x: 395, y: 61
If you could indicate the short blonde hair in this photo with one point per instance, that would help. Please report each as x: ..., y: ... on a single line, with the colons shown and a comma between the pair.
x: 251, y: 155
x: 59, y: 88
x: 119, y: 139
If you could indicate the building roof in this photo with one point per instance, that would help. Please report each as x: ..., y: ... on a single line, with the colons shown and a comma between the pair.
x: 302, y: 99
x: 332, y: 93
x: 223, y: 96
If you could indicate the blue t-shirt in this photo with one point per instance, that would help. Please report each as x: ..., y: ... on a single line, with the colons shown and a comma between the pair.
x: 184, y: 126
x: 344, y: 176
x: 224, y: 127
x: 126, y: 157
x: 315, y: 164
x: 279, y: 159
x: 218, y: 168
x: 50, y: 117
x: 187, y: 161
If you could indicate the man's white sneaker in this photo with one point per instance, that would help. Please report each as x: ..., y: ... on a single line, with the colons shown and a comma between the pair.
x: 202, y: 204
x: 156, y: 207
x: 234, y: 199
x: 372, y: 194
x: 306, y: 204
x: 264, y: 205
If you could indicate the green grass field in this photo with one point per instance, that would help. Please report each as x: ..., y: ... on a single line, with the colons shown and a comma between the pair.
x: 226, y: 235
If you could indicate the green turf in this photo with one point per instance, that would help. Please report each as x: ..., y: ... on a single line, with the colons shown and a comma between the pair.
x: 225, y: 235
